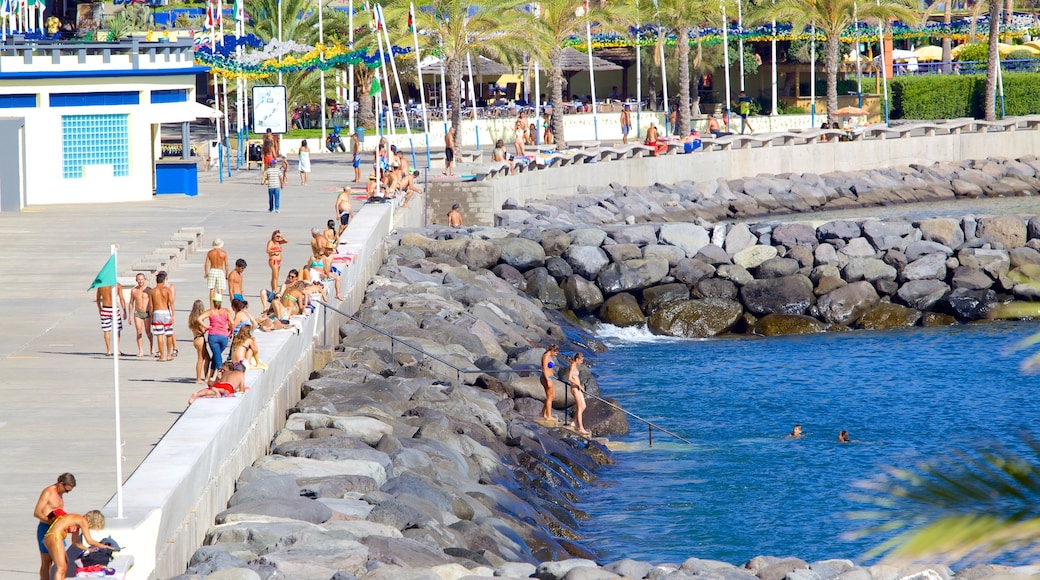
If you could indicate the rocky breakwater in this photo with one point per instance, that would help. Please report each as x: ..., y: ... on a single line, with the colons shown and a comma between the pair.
x: 761, y: 195
x: 702, y: 280
x: 393, y: 466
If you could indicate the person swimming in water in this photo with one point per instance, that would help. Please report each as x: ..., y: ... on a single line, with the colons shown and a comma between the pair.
x: 547, y: 380
x: 795, y: 433
x: 843, y: 437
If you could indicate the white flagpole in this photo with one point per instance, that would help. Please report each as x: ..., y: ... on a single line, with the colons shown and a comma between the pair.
x: 444, y: 96
x: 279, y: 42
x: 115, y: 382
x: 772, y: 74
x: 473, y: 98
x: 725, y: 57
x: 397, y: 79
x: 639, y: 82
x: 386, y: 78
x: 321, y: 72
x: 239, y: 91
x: 592, y: 80
x: 883, y: 68
x: 350, y: 93
x: 812, y: 78
x: 664, y: 88
x: 539, y: 133
x: 216, y: 85
x: 740, y: 42
x: 418, y: 73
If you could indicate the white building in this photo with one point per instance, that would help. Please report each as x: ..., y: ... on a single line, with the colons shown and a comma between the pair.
x: 79, y: 122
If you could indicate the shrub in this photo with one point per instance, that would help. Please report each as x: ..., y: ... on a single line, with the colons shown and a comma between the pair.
x: 932, y: 97
x: 1020, y: 54
x: 791, y: 110
x: 975, y: 52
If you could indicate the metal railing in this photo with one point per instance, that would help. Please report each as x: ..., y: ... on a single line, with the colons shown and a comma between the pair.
x: 459, y: 371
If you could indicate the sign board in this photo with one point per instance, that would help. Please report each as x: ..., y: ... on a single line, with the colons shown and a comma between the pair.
x: 269, y: 110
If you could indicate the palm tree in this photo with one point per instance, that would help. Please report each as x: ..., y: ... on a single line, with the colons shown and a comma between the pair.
x: 497, y: 29
x: 831, y: 17
x: 685, y: 14
x: 992, y: 69
x: 965, y: 507
x: 560, y: 20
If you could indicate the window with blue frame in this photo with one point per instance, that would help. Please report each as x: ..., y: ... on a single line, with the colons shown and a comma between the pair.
x: 95, y: 140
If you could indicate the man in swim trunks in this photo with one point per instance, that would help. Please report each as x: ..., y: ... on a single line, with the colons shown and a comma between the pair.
x: 355, y: 148
x: 50, y: 501
x: 54, y: 540
x: 449, y: 152
x: 235, y: 280
x: 455, y: 216
x: 161, y: 304
x: 626, y: 124
x: 227, y: 382
x: 139, y: 304
x: 109, y: 316
x: 215, y: 269
x: 408, y: 186
x: 547, y: 380
x: 343, y: 209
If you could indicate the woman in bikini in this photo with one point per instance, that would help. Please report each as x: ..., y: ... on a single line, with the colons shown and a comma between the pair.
x: 519, y: 135
x: 499, y: 154
x: 198, y: 339
x: 54, y: 539
x: 274, y: 256
x: 245, y: 349
x: 578, y: 392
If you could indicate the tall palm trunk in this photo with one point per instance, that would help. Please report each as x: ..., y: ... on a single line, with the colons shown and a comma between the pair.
x: 682, y: 51
x: 832, y: 50
x: 363, y: 85
x: 556, y: 84
x: 994, y: 60
x: 947, y: 42
x: 453, y: 68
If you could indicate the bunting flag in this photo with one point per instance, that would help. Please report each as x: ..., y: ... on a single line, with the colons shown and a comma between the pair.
x: 240, y: 12
x: 411, y: 21
x: 213, y: 17
x: 107, y: 275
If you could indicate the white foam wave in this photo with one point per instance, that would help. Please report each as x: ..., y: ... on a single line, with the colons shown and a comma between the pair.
x: 627, y: 335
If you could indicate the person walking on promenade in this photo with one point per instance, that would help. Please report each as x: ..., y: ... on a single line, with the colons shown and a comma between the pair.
x: 578, y: 392
x: 235, y: 280
x: 50, y: 505
x: 355, y: 149
x: 547, y: 380
x: 273, y: 177
x: 215, y: 269
x: 198, y: 340
x: 162, y: 317
x: 305, y: 163
x: 626, y: 124
x: 54, y: 540
x: 744, y: 107
x: 110, y: 318
x: 449, y: 152
x: 274, y: 256
x: 217, y: 321
x: 343, y: 209
x: 139, y: 305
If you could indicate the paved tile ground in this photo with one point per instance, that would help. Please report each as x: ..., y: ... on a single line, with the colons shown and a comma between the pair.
x: 57, y: 387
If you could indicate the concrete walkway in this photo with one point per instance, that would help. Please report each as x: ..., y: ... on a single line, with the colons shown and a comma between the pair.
x: 57, y: 387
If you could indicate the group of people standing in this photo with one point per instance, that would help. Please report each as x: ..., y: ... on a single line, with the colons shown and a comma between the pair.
x: 573, y: 381
x: 55, y: 526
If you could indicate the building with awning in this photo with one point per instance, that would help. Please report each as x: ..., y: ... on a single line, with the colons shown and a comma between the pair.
x: 80, y: 122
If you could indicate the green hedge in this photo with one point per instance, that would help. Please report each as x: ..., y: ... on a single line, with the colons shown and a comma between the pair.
x: 929, y: 97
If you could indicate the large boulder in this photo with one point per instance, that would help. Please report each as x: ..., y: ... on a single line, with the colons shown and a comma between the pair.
x: 690, y: 237
x: 794, y: 234
x: 582, y: 295
x: 779, y: 324
x: 622, y: 310
x: 778, y: 267
x: 970, y: 278
x: 738, y: 238
x: 521, y: 253
x: 671, y: 254
x: 555, y: 242
x: 588, y: 237
x: 753, y: 256
x: 887, y: 316
x: 1008, y: 230
x: 869, y: 269
x: 657, y: 296
x: 691, y: 270
x: 927, y: 267
x: 922, y: 294
x: 785, y: 295
x: 970, y: 305
x: 946, y: 231
x: 696, y: 318
x: 847, y: 304
x: 915, y: 250
x: 885, y: 234
x: 632, y: 275
x: 544, y: 287
x: 838, y: 230
x: 637, y: 235
x: 586, y: 261
x: 993, y: 262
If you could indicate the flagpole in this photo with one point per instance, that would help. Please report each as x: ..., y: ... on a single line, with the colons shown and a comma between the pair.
x: 592, y: 74
x: 279, y: 43
x: 884, y: 67
x: 397, y: 81
x: 321, y: 72
x: 773, y: 76
x: 812, y: 79
x: 386, y: 78
x: 639, y: 82
x: 444, y: 95
x: 538, y: 105
x: 115, y: 382
x: 379, y: 117
x: 422, y: 91
x: 214, y: 22
x: 740, y: 43
x: 350, y: 96
x: 664, y: 90
x: 725, y: 58
x: 473, y: 98
x: 239, y: 82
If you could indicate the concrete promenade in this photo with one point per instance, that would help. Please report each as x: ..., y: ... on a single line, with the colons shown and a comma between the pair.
x: 57, y: 387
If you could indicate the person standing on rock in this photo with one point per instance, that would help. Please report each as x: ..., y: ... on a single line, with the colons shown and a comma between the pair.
x: 547, y: 380
x: 455, y: 216
x: 578, y: 392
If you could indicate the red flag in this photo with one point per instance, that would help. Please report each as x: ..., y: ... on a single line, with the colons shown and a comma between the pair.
x: 411, y: 21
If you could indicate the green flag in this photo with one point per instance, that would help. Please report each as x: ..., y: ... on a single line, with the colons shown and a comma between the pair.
x: 107, y: 275
x: 376, y: 87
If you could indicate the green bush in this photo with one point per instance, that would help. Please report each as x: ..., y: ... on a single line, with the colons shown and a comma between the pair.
x: 791, y: 110
x: 1020, y: 54
x: 975, y: 52
x: 930, y: 97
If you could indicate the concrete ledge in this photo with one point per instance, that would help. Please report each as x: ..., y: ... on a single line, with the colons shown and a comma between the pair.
x: 190, y: 239
x: 172, y: 498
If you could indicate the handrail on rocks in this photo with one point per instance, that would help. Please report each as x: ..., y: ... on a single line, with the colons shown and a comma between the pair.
x: 460, y: 371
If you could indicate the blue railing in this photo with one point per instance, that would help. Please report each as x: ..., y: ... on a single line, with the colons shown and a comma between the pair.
x: 963, y: 68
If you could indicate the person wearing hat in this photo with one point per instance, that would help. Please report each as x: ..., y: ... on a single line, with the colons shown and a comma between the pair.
x: 275, y: 179
x: 215, y: 268
x: 372, y: 189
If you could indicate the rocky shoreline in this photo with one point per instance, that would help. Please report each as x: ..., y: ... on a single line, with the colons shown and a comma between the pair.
x: 396, y: 465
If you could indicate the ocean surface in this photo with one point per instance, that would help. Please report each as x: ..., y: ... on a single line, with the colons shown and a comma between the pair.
x: 742, y: 489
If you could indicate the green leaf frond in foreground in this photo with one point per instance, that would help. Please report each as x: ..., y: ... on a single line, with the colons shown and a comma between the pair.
x: 966, y: 507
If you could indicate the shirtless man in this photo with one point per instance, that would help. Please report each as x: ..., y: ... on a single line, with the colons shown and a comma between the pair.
x: 343, y: 209
x: 408, y: 186
x: 547, y: 380
x: 355, y: 149
x: 161, y: 304
x: 227, y: 383
x: 104, y: 304
x: 54, y: 540
x: 449, y: 152
x: 215, y: 269
x: 234, y: 280
x: 455, y: 216
x: 372, y: 189
x: 50, y: 500
x: 626, y: 124
x: 139, y: 301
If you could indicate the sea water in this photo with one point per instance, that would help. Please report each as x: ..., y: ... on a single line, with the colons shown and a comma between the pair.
x: 742, y: 489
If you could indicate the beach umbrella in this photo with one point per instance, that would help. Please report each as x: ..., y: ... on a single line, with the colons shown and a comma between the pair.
x: 929, y: 54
